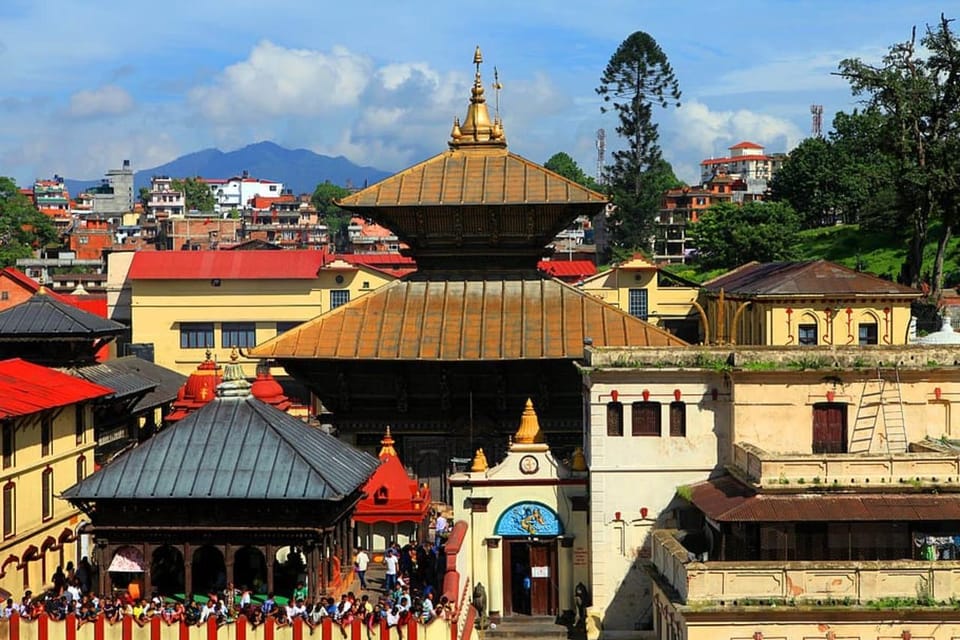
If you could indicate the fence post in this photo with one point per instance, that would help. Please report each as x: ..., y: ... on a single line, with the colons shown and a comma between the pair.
x: 211, y: 628
x: 298, y: 628
x: 15, y: 626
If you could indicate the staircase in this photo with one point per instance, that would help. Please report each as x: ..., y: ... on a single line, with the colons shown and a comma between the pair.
x: 524, y: 627
x: 880, y: 398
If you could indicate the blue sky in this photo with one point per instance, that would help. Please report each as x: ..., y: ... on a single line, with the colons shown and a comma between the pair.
x: 90, y: 83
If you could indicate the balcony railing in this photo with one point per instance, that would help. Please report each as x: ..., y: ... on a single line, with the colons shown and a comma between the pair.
x: 922, y: 467
x: 835, y: 583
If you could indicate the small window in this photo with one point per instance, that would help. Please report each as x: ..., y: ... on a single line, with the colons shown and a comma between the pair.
x: 239, y: 334
x: 646, y: 419
x: 81, y: 423
x: 81, y: 468
x: 868, y: 333
x: 807, y: 334
x: 4, y: 295
x: 7, y: 444
x: 284, y: 326
x: 678, y: 419
x: 339, y: 297
x: 196, y: 335
x: 46, y: 436
x: 47, y: 490
x: 9, y: 510
x: 614, y: 418
x: 637, y: 303
x: 366, y: 285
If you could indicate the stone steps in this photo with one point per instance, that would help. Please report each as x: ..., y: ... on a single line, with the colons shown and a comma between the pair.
x: 527, y: 627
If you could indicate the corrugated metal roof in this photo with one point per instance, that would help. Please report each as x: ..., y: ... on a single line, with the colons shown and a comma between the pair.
x: 454, y: 317
x: 819, y: 277
x: 43, y: 315
x: 27, y: 388
x: 123, y: 383
x: 472, y: 177
x: 727, y: 500
x: 167, y: 381
x: 228, y: 265
x: 233, y: 448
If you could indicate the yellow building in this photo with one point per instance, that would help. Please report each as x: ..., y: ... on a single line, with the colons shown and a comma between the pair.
x: 186, y: 302
x: 646, y: 291
x: 46, y: 445
x: 806, y: 303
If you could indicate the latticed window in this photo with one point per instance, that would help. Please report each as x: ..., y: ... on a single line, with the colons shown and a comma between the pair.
x: 637, y: 303
x: 868, y: 333
x: 646, y: 419
x: 614, y: 418
x: 196, y: 335
x: 339, y: 297
x: 9, y: 510
x: 47, y: 491
x: 239, y: 334
x: 678, y: 419
x: 807, y: 334
x: 81, y: 468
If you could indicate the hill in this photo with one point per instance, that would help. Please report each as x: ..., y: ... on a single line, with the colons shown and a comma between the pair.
x: 298, y: 169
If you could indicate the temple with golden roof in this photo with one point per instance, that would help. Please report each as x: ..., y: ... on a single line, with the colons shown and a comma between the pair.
x: 447, y: 355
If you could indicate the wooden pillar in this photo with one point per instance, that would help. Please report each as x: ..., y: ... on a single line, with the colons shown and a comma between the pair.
x: 103, y: 561
x: 270, y: 556
x: 228, y: 567
x: 324, y: 567
x: 147, y: 551
x: 351, y: 533
x: 187, y: 569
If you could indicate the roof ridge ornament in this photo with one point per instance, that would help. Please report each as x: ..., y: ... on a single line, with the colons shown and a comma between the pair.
x: 478, y: 129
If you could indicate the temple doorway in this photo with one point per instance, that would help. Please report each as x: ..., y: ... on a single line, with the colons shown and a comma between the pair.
x: 209, y: 571
x: 250, y: 570
x: 166, y: 570
x: 530, y: 582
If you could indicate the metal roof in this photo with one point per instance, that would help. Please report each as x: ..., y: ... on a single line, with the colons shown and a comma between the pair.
x: 27, y: 388
x: 43, y: 315
x: 167, y: 381
x: 727, y: 500
x: 818, y: 277
x: 232, y: 448
x: 122, y: 382
x: 455, y: 317
x: 260, y: 264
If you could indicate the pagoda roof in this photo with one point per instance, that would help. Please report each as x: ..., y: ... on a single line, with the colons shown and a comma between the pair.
x: 235, y: 449
x: 27, y: 388
x: 45, y: 316
x: 466, y: 316
x: 392, y: 495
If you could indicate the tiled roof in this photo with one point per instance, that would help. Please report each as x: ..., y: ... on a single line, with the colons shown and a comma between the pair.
x: 227, y: 265
x: 726, y: 500
x: 27, y: 388
x: 44, y: 315
x: 567, y: 268
x: 459, y: 177
x: 746, y: 144
x: 233, y: 449
x: 728, y: 160
x: 819, y: 278
x: 466, y: 316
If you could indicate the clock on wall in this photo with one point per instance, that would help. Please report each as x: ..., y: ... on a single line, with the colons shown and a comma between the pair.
x: 529, y: 464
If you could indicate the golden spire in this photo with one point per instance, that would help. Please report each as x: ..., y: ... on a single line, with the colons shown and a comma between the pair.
x: 386, y: 445
x: 478, y: 129
x: 480, y: 459
x: 578, y: 462
x: 529, y: 431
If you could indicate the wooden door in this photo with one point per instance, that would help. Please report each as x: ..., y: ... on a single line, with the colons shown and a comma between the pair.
x: 543, y: 573
x: 830, y: 428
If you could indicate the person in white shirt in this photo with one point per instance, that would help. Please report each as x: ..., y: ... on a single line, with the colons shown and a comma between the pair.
x: 362, y: 561
x: 392, y: 561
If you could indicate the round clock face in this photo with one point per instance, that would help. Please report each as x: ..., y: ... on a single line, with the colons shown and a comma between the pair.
x: 529, y: 464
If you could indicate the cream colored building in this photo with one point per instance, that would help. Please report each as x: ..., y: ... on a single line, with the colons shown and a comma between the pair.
x: 186, y: 302
x: 528, y: 539
x: 46, y: 445
x: 646, y: 291
x: 774, y: 491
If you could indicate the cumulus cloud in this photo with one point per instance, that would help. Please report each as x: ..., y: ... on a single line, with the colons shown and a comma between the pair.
x: 277, y: 81
x: 108, y: 100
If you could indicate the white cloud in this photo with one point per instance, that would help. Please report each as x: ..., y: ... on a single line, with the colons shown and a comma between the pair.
x: 108, y: 100
x: 276, y: 81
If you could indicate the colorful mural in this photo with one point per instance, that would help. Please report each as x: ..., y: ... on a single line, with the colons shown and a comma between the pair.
x: 528, y: 519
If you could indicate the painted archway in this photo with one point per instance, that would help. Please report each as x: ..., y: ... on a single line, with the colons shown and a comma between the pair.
x: 528, y: 519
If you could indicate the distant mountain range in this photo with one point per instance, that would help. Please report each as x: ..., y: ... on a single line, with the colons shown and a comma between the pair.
x: 298, y: 169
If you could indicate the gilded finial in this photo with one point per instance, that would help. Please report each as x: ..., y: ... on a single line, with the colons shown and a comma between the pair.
x: 477, y: 58
x: 578, y: 461
x: 208, y: 354
x: 455, y: 133
x: 386, y: 445
x: 479, y: 462
x: 529, y: 430
x: 478, y: 129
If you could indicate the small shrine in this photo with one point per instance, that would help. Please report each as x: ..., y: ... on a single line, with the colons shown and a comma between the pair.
x: 529, y: 530
x: 395, y: 507
x: 199, y: 389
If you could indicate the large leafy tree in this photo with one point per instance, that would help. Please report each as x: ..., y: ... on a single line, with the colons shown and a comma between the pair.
x: 921, y: 98
x: 729, y: 234
x: 23, y: 229
x: 567, y: 167
x: 337, y: 220
x: 196, y: 193
x: 808, y: 181
x: 637, y: 77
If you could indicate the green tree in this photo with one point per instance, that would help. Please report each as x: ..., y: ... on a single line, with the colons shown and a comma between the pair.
x: 728, y: 234
x: 808, y: 182
x: 324, y: 200
x: 143, y: 195
x: 196, y: 193
x: 23, y: 229
x: 637, y: 76
x: 567, y: 167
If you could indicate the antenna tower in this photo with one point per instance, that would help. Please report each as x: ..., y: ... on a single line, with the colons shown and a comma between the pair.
x: 816, y: 126
x: 601, y: 149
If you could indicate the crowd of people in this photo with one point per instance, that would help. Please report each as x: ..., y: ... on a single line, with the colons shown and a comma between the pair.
x: 409, y: 592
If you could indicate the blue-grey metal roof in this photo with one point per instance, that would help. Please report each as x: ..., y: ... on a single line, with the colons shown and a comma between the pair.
x: 123, y: 383
x: 168, y: 381
x: 232, y: 448
x: 44, y: 316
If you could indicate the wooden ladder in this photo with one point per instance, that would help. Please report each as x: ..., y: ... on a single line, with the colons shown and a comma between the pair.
x: 880, y: 397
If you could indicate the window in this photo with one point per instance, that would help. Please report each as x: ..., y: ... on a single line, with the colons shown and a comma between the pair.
x: 646, y: 419
x: 81, y: 423
x: 868, y: 333
x: 7, y: 444
x: 9, y: 510
x: 678, y: 419
x: 47, y: 489
x: 239, y: 334
x: 807, y: 334
x: 4, y: 295
x: 196, y: 335
x: 339, y: 297
x: 46, y: 436
x: 285, y: 325
x: 614, y: 418
x: 637, y: 303
x: 81, y: 468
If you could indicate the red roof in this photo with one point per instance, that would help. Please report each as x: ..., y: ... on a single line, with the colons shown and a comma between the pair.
x: 733, y: 159
x: 567, y: 268
x: 27, y: 388
x: 392, y: 495
x: 746, y: 144
x: 228, y: 265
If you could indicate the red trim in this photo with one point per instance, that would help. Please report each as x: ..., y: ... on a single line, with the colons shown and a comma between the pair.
x: 242, y: 628
x: 385, y: 630
x: 298, y: 628
x: 43, y: 632
x: 211, y: 628
x: 326, y: 629
x: 519, y: 483
x: 184, y: 632
x: 269, y: 626
x: 412, y: 628
x: 155, y: 628
x: 99, y: 631
x: 126, y: 626
x: 453, y: 629
x: 71, y: 627
x: 15, y: 626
